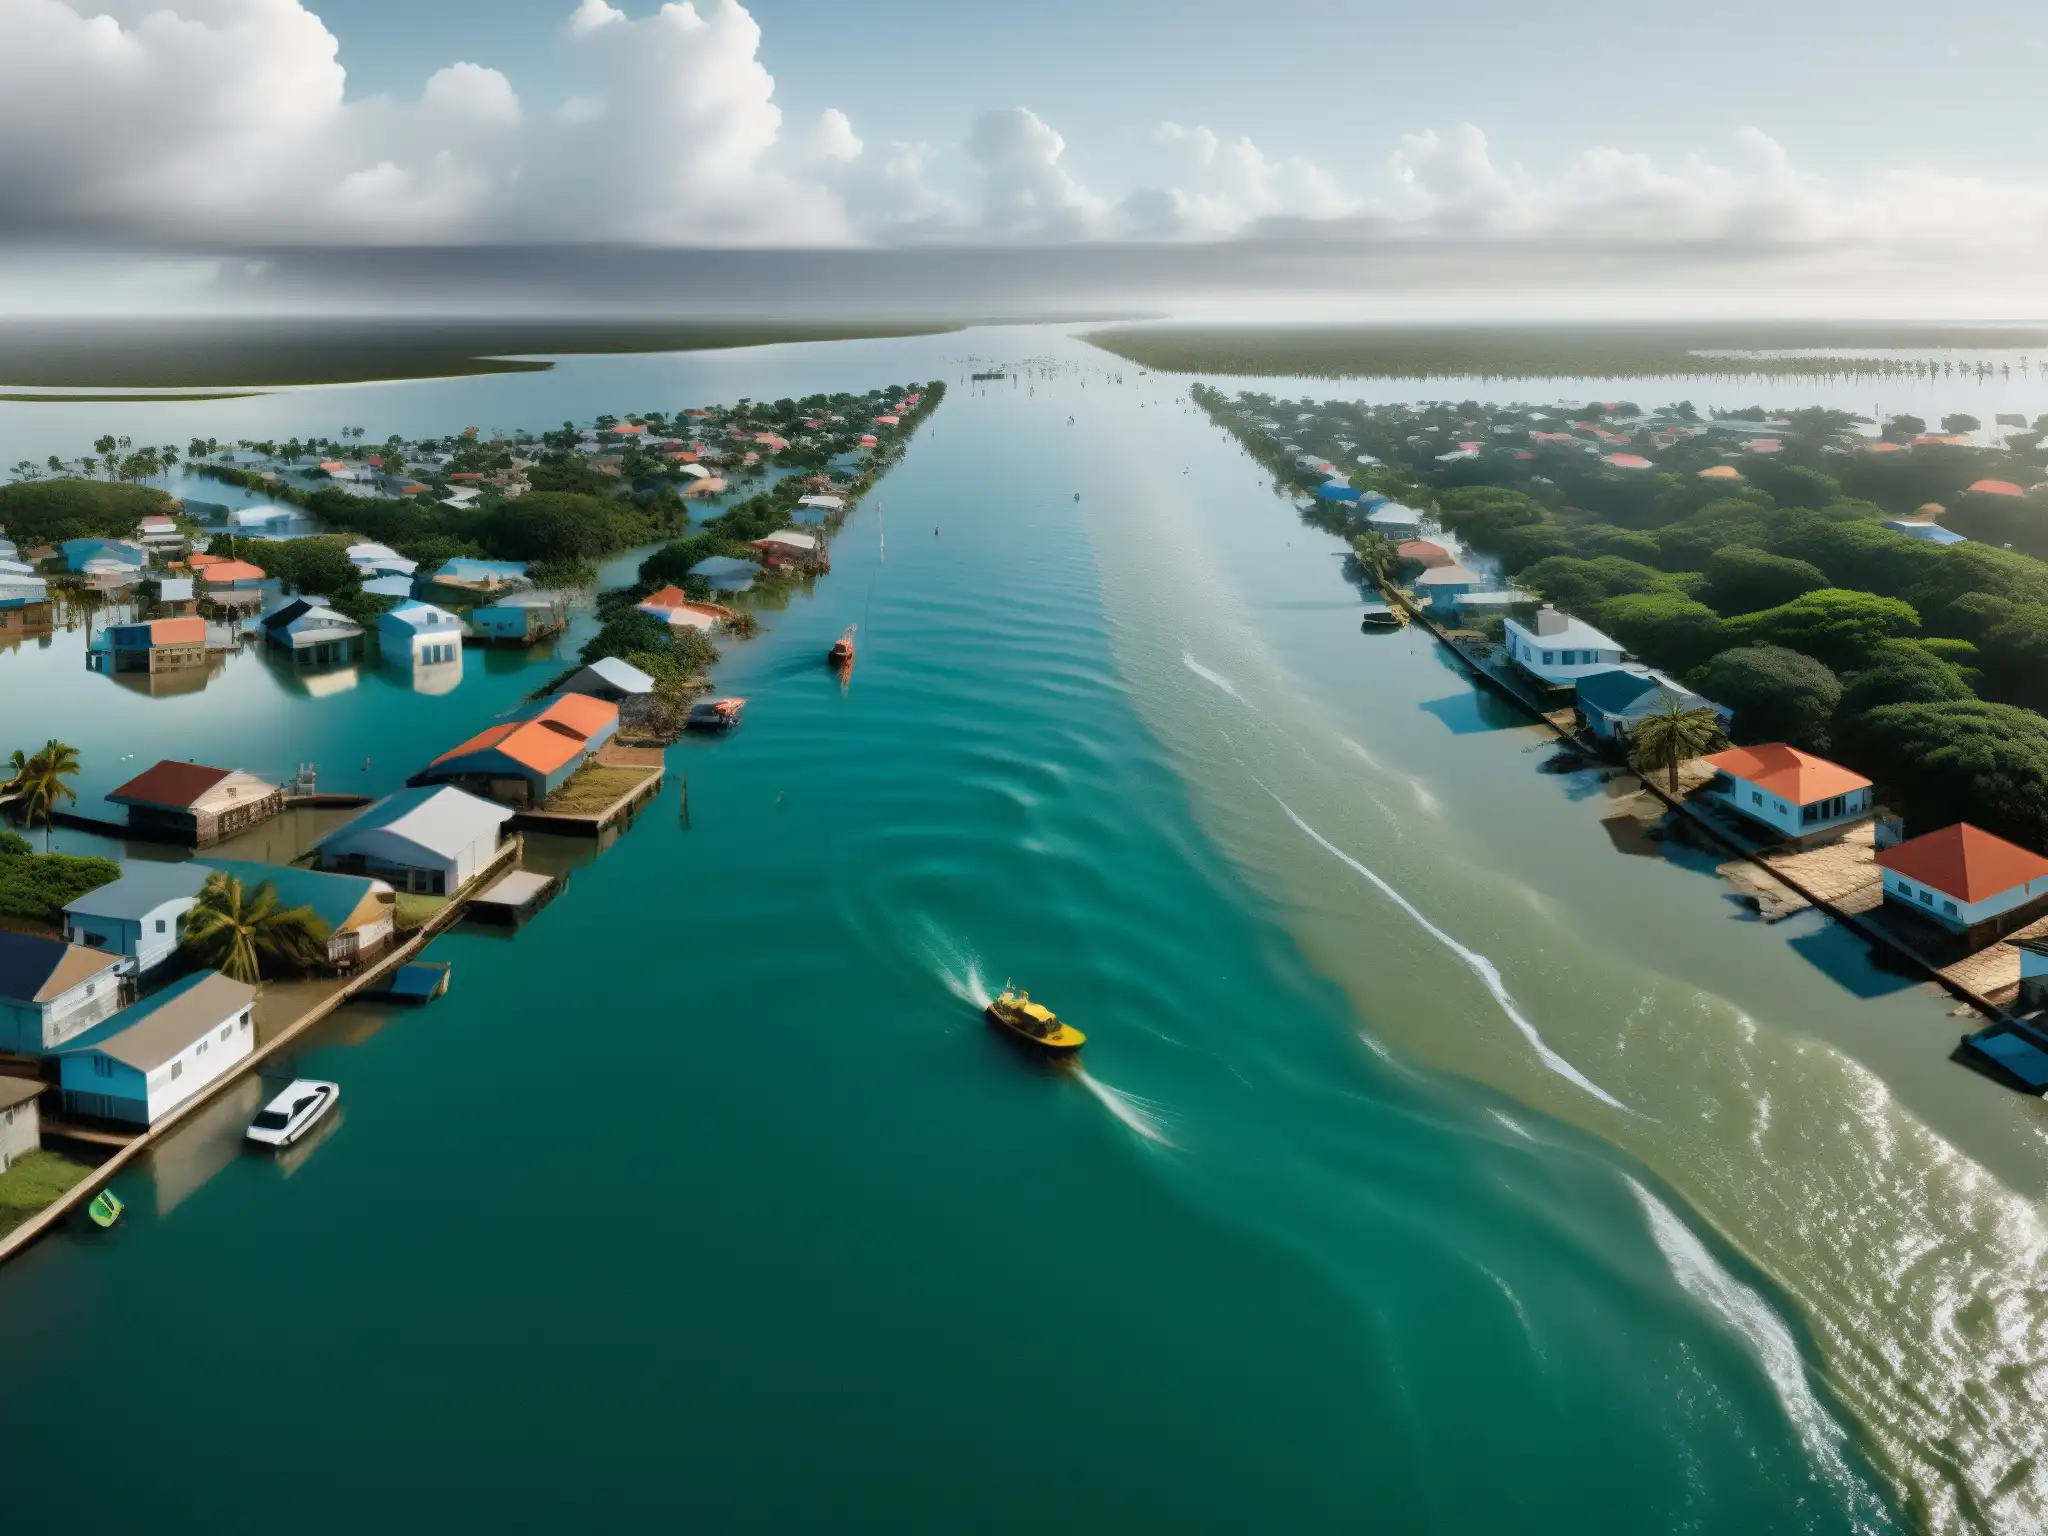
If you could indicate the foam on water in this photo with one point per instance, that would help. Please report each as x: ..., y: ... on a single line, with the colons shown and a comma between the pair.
x: 1752, y: 1320
x: 1132, y: 1111
x: 1188, y: 660
x: 1480, y: 966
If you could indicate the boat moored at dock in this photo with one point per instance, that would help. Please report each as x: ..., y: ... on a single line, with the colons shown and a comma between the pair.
x: 715, y: 714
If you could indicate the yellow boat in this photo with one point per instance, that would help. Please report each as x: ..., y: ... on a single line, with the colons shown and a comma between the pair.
x: 1034, y: 1024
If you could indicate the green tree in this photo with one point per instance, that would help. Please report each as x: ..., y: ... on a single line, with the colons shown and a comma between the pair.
x: 1776, y: 694
x: 1581, y: 586
x: 1667, y: 629
x: 2014, y: 652
x: 1744, y: 580
x: 1835, y: 626
x: 242, y: 934
x: 1673, y: 737
x: 1376, y: 554
x: 41, y: 783
x: 1963, y: 760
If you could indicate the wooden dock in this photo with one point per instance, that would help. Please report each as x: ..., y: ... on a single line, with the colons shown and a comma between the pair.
x: 516, y: 897
x: 369, y: 979
x: 1819, y: 877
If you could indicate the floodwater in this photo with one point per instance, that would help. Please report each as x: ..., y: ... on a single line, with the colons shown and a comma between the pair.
x: 1434, y: 1166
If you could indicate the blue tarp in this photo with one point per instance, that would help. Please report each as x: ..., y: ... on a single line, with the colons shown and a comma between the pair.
x: 2018, y: 1055
x: 1333, y: 492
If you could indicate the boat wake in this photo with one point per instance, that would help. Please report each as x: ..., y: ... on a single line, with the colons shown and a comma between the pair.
x: 1138, y: 1114
x: 1480, y: 966
x: 1187, y: 659
x: 1750, y: 1317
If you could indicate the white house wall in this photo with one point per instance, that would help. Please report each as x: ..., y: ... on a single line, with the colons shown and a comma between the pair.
x: 1966, y: 914
x: 200, y: 1063
x: 20, y: 1133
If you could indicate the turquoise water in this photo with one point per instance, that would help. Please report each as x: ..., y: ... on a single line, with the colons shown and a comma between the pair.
x: 708, y: 1198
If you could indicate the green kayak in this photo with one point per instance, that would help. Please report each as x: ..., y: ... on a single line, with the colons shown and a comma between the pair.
x: 105, y: 1209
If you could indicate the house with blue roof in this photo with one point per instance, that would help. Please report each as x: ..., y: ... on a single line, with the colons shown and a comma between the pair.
x: 154, y: 1055
x: 140, y: 916
x: 80, y: 553
x: 1612, y: 703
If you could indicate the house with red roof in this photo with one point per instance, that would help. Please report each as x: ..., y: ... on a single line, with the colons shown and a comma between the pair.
x: 1791, y: 793
x: 521, y: 762
x: 1965, y: 879
x: 192, y: 803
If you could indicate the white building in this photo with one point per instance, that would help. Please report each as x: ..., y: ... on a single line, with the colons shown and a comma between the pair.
x: 826, y: 504
x: 51, y: 991
x: 154, y: 1055
x: 1557, y: 649
x: 1962, y: 876
x: 419, y: 632
x: 140, y: 916
x: 21, y: 1127
x: 1793, y: 793
x: 380, y: 560
x: 432, y: 839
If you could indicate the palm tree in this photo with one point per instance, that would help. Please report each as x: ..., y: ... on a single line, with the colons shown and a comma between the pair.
x: 1376, y: 553
x: 40, y: 782
x: 1674, y: 736
x: 238, y: 934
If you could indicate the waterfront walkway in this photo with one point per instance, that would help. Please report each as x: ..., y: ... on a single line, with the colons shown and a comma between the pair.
x: 284, y: 1012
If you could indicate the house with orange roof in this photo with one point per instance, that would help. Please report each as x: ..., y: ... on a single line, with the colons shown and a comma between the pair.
x: 238, y: 574
x: 1996, y: 488
x: 157, y: 645
x: 521, y: 762
x: 1965, y: 879
x: 1720, y: 472
x: 1792, y: 793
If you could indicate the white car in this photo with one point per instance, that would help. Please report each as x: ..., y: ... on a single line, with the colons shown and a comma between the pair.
x: 294, y: 1112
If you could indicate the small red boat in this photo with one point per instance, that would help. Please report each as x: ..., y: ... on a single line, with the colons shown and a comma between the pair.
x: 841, y: 654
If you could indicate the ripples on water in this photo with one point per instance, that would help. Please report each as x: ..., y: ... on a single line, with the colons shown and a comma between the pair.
x: 1922, y: 1278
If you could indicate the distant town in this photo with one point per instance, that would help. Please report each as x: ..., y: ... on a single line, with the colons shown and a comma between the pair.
x: 1820, y: 639
x: 132, y: 990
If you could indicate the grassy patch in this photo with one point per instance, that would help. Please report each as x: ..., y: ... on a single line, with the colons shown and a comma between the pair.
x: 415, y: 909
x: 34, y: 1182
x: 595, y: 788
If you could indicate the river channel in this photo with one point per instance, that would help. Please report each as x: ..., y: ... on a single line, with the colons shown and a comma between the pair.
x: 1437, y: 1166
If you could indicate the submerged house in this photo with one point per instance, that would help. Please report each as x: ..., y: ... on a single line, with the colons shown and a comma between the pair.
x: 139, y: 917
x: 359, y: 913
x: 51, y: 991
x: 520, y: 618
x: 81, y: 555
x: 1965, y: 879
x: 192, y: 803
x: 1789, y: 792
x: 723, y: 573
x: 467, y: 578
x: 432, y: 839
x: 419, y: 632
x: 314, y: 633
x: 157, y: 645
x: 522, y: 762
x: 152, y: 1056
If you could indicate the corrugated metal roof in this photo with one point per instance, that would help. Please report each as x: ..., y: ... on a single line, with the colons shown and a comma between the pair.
x: 147, y: 1034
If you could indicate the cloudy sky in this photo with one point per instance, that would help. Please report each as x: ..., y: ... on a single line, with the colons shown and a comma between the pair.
x: 1456, y: 155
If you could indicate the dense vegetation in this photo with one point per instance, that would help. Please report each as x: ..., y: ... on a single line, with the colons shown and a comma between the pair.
x: 1560, y: 351
x: 51, y: 511
x: 1780, y: 593
x: 36, y: 887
